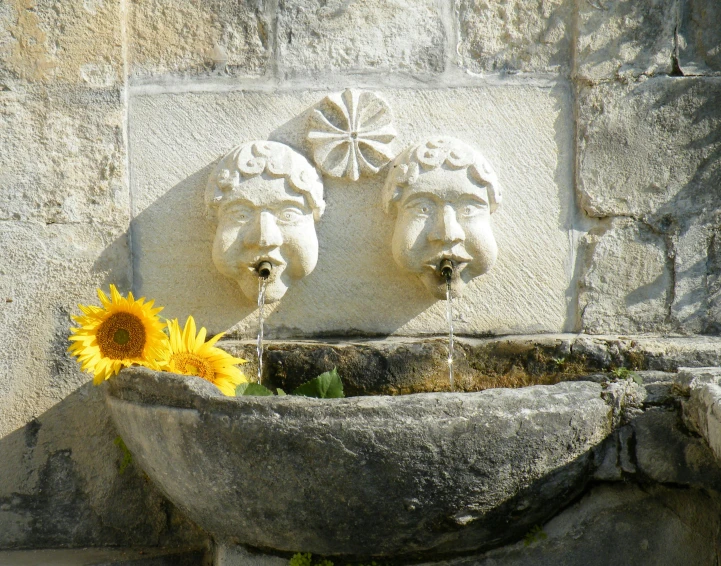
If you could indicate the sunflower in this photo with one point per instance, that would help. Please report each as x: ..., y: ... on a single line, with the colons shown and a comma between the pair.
x: 122, y: 332
x: 190, y: 354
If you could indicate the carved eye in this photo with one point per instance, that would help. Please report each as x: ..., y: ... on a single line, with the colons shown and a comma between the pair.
x: 470, y: 209
x: 237, y: 214
x: 420, y: 207
x: 290, y: 214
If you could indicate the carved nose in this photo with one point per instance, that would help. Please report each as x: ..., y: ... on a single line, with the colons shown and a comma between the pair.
x: 265, y: 232
x: 447, y: 229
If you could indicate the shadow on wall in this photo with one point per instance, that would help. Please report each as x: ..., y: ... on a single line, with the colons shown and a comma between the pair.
x: 356, y: 287
x: 692, y: 217
x: 63, y: 484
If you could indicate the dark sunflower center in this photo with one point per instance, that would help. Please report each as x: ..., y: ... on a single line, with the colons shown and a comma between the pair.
x: 121, y: 336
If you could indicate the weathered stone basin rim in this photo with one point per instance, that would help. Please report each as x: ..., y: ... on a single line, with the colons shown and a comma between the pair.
x: 416, y: 475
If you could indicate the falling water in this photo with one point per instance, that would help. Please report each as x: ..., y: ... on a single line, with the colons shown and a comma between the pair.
x: 261, y: 303
x: 449, y: 318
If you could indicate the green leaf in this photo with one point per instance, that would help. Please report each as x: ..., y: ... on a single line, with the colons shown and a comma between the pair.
x: 326, y: 386
x: 281, y: 393
x: 245, y: 389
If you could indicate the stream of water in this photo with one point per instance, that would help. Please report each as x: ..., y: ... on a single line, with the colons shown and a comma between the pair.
x: 449, y: 318
x: 261, y: 304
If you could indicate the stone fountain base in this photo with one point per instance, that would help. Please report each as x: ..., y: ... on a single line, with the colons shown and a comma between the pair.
x: 563, y: 468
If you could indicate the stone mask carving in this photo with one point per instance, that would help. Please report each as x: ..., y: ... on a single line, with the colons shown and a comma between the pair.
x: 267, y: 198
x: 443, y: 193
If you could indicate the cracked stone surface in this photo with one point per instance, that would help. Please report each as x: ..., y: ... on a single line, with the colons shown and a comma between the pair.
x: 700, y: 38
x: 209, y: 38
x: 627, y: 280
x: 429, y: 473
x: 625, y: 38
x: 515, y: 36
x: 373, y: 35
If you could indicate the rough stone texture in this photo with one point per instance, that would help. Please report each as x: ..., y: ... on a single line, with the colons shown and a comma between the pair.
x: 621, y: 524
x: 626, y: 284
x: 61, y: 485
x: 702, y: 413
x: 650, y: 147
x: 420, y: 473
x: 235, y: 555
x: 185, y: 37
x: 700, y: 38
x: 105, y: 557
x: 667, y: 454
x: 410, y: 365
x: 61, y: 41
x: 689, y: 379
x: 355, y: 287
x: 667, y: 173
x: 63, y: 158
x: 374, y: 35
x: 515, y: 36
x: 623, y: 38
x: 45, y: 271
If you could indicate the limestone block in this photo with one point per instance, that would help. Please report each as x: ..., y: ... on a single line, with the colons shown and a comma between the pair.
x: 626, y: 282
x: 619, y: 523
x: 186, y: 37
x: 625, y: 38
x: 63, y: 155
x: 650, y: 147
x: 665, y: 453
x: 373, y: 35
x: 513, y: 36
x: 689, y: 379
x: 693, y: 308
x: 62, y: 483
x: 700, y: 38
x: 45, y: 271
x: 356, y: 287
x: 702, y: 414
x: 77, y: 42
x: 713, y: 283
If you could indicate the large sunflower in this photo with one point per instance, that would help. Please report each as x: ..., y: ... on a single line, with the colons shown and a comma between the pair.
x: 190, y: 354
x: 122, y: 332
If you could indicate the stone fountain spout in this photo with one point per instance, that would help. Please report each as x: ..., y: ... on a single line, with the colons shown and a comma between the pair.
x: 263, y: 269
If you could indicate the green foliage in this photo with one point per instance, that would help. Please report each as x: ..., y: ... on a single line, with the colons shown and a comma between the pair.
x: 254, y: 389
x: 625, y: 373
x: 301, y: 559
x: 306, y: 559
x: 560, y: 362
x: 536, y: 534
x: 127, y: 456
x: 326, y: 386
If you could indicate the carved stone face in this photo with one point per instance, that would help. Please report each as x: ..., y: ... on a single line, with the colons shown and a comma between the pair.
x: 269, y: 222
x: 443, y: 215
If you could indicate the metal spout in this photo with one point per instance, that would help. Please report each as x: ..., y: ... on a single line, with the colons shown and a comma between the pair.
x: 445, y: 268
x: 263, y: 269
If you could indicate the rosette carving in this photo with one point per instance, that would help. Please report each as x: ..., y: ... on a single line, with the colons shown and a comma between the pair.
x: 350, y: 134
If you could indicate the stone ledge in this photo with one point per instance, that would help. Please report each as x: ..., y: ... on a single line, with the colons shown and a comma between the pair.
x: 105, y: 557
x: 399, y: 365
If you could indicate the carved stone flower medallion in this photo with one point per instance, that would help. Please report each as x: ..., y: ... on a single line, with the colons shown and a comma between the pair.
x: 350, y: 134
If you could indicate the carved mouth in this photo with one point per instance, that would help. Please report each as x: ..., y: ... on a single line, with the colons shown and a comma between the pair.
x: 459, y: 261
x: 257, y: 260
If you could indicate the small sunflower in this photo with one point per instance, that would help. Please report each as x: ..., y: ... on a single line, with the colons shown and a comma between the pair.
x: 122, y: 332
x: 190, y: 354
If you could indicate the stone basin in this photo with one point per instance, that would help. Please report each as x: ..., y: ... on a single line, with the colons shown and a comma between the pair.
x: 414, y: 475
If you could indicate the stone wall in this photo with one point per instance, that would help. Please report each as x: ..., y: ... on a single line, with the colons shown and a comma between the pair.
x: 114, y: 111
